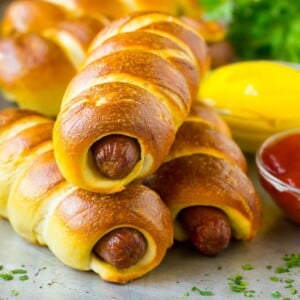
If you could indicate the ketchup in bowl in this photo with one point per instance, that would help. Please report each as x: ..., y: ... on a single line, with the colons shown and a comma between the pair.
x: 278, y: 162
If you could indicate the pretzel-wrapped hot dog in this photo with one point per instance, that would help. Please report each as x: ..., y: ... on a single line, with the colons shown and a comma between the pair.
x: 41, y: 50
x: 121, y: 111
x: 204, y: 183
x: 121, y: 236
x: 40, y: 66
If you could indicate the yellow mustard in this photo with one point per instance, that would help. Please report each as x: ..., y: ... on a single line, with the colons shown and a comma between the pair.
x: 256, y: 98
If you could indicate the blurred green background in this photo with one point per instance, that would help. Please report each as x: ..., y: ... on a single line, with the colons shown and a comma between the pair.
x: 259, y: 29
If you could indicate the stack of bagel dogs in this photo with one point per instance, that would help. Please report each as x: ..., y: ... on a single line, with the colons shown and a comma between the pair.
x: 44, y: 43
x: 120, y: 236
x: 117, y: 123
x: 203, y: 181
x: 41, y: 49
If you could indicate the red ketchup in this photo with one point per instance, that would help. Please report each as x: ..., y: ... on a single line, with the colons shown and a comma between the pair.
x: 282, y: 160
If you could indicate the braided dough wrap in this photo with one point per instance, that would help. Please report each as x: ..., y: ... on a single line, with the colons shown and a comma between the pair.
x: 41, y: 49
x: 44, y: 209
x: 137, y: 81
x: 206, y: 168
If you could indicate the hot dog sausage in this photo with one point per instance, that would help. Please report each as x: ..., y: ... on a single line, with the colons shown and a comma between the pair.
x: 208, y: 228
x: 122, y: 247
x: 116, y: 155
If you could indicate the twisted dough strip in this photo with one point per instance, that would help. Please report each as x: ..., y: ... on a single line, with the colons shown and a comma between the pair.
x: 204, y: 183
x: 137, y: 82
x: 42, y: 48
x: 215, y: 34
x: 83, y: 229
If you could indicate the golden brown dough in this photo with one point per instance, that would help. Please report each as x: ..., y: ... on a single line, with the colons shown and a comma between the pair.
x: 115, y: 9
x: 40, y: 51
x: 28, y: 16
x: 70, y: 25
x: 137, y: 81
x: 220, y: 49
x: 39, y: 203
x: 205, y: 168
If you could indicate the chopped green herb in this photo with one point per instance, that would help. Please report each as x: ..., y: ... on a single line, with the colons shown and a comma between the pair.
x: 269, y: 267
x: 286, y: 298
x: 247, y: 267
x: 237, y: 280
x: 276, y: 294
x: 239, y: 285
x: 249, y: 294
x: 292, y: 260
x: 288, y: 286
x: 202, y: 292
x: 18, y: 271
x: 274, y: 278
x: 281, y: 269
x: 186, y: 294
x: 238, y: 289
x: 23, y: 277
x: 294, y: 291
x: 14, y: 293
x: 289, y: 280
x: 219, y: 268
x: 1, y: 267
x: 6, y: 276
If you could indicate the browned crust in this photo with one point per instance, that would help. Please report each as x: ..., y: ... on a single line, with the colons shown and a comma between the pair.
x: 40, y: 178
x: 30, y: 16
x: 29, y: 63
x: 118, y: 8
x: 84, y: 29
x: 206, y: 114
x: 9, y: 116
x: 26, y: 141
x: 189, y: 37
x: 212, y: 31
x: 196, y: 137
x: 141, y: 65
x: 150, y: 42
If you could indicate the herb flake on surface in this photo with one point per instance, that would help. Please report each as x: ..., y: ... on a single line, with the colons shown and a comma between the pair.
x: 6, y: 276
x: 239, y: 285
x: 247, y: 267
x: 14, y: 292
x: 202, y: 292
x: 281, y: 269
x: 24, y: 277
x: 18, y: 271
x: 276, y: 295
x: 274, y: 279
x: 292, y: 260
